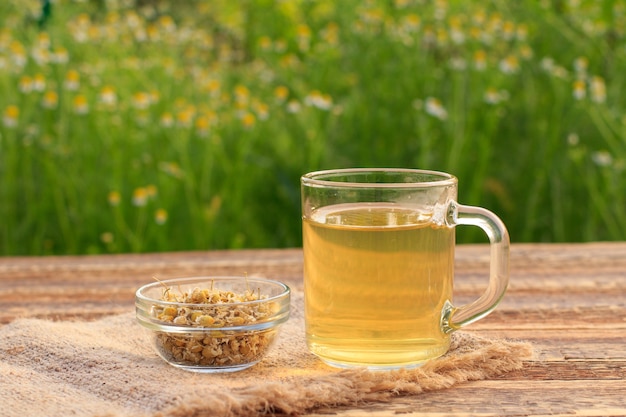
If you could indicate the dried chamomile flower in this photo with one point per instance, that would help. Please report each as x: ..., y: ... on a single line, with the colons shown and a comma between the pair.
x: 214, y: 309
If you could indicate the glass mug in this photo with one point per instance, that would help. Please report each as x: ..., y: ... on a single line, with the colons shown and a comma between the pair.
x: 379, y: 265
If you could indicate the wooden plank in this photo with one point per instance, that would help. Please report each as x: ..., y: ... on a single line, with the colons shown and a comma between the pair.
x: 96, y: 285
x: 504, y: 398
x: 571, y: 370
x: 517, y: 311
x: 527, y: 261
x: 284, y: 262
x: 76, y: 303
x: 567, y: 344
x: 566, y: 299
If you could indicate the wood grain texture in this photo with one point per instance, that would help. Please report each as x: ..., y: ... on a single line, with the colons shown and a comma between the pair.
x: 569, y: 300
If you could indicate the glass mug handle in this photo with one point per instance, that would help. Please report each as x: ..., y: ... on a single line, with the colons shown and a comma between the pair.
x: 453, y: 318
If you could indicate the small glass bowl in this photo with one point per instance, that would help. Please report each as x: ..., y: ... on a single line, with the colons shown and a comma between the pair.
x: 213, y: 324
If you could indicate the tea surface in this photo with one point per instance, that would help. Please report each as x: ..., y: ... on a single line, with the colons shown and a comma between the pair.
x: 376, y: 280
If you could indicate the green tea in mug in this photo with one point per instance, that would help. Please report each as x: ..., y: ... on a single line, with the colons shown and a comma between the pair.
x: 379, y: 265
x: 378, y: 277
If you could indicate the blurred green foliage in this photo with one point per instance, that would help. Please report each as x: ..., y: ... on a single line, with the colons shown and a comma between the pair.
x: 135, y: 126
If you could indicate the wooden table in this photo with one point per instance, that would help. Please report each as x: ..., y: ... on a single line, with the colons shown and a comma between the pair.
x: 569, y: 300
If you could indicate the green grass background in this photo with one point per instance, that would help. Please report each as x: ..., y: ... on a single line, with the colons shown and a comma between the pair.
x: 217, y: 107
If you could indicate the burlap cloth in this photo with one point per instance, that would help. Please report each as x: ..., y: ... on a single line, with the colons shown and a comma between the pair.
x: 106, y: 368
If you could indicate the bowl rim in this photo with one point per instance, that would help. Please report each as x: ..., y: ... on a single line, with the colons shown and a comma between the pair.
x: 140, y: 296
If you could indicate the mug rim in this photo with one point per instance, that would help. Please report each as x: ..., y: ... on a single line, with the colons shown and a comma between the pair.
x: 313, y: 178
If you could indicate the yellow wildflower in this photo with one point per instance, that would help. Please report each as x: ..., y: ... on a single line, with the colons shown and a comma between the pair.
x: 107, y: 237
x: 151, y: 190
x: 133, y: 20
x: 60, y: 56
x: 72, y: 80
x: 83, y: 19
x: 202, y: 125
x: 213, y: 87
x: 579, y: 89
x: 108, y: 96
x: 50, y: 99
x: 479, y: 17
x: 160, y: 216
x: 526, y: 52
x: 509, y: 65
x: 11, y: 116
x: 94, y: 32
x: 293, y: 106
x: 331, y: 33
x: 508, y: 30
x: 602, y: 158
x: 140, y: 197
x: 167, y: 24
x: 412, y: 22
x: 18, y: 54
x: 372, y: 16
x: 493, y: 96
x: 248, y: 119
x: 580, y: 65
x: 475, y: 33
x: 153, y: 33
x: 112, y: 18
x: 495, y: 22
x: 441, y: 6
x: 442, y: 36
x: 167, y: 120
x: 280, y: 45
x: 39, y: 83
x: 319, y: 100
x: 142, y: 117
x: 303, y: 33
x: 265, y: 43
x: 241, y: 93
x: 43, y: 40
x: 26, y: 84
x: 480, y: 60
x: 171, y: 168
x: 288, y: 61
x: 184, y: 118
x: 597, y: 87
x: 80, y: 104
x: 434, y: 107
x: 41, y: 56
x: 281, y: 92
x: 456, y: 30
x: 573, y: 139
x: 262, y: 110
x: 141, y: 100
x: 458, y: 63
x: 521, y: 32
x: 428, y: 36
x: 114, y: 198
